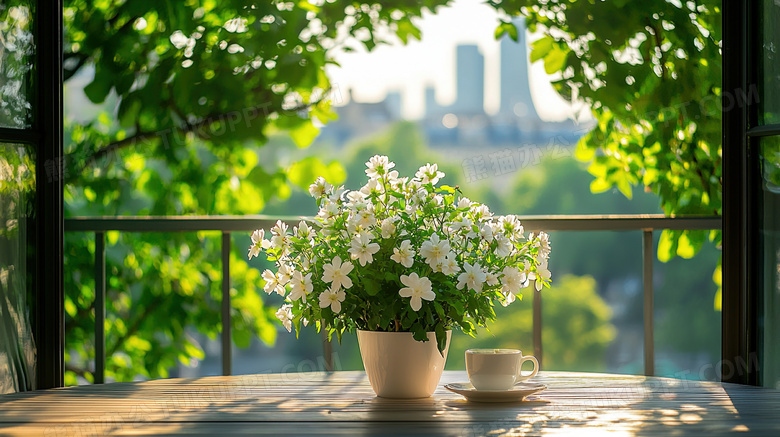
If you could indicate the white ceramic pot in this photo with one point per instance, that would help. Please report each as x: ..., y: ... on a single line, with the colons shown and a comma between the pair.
x: 398, y: 366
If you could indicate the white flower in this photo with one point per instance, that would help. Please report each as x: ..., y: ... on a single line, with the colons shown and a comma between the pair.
x: 335, y: 194
x: 464, y: 202
x: 285, y: 315
x: 542, y: 273
x: 363, y: 249
x: 450, y: 265
x: 280, y: 240
x: 284, y: 273
x: 460, y: 224
x: 472, y: 276
x: 503, y: 246
x: 332, y: 299
x: 429, y: 173
x: 336, y: 273
x: 378, y: 165
x: 396, y: 182
x: 258, y: 243
x: 392, y: 177
x: 301, y: 285
x: 365, y: 218
x: 319, y: 188
x: 388, y: 227
x: 529, y: 274
x: 486, y: 232
x: 373, y: 186
x: 280, y: 228
x: 513, y: 280
x: 329, y: 210
x: 303, y: 231
x: 403, y: 255
x: 491, y: 279
x: 434, y: 250
x: 542, y: 241
x: 511, y: 227
x: 417, y: 288
x: 272, y: 283
x: 356, y: 197
x: 481, y: 212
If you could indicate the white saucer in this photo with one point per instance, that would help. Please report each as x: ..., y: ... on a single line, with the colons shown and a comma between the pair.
x: 515, y: 394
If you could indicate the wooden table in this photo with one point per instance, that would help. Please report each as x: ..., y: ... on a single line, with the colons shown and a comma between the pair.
x: 342, y: 403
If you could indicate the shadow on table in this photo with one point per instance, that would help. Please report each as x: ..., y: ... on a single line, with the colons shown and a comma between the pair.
x: 344, y: 405
x: 655, y: 406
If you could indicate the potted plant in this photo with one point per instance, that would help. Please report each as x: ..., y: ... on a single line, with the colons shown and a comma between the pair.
x: 402, y: 262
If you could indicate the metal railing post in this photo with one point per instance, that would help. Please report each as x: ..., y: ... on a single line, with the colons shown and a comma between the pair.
x: 537, y: 323
x: 226, y: 336
x: 647, y: 279
x: 100, y: 307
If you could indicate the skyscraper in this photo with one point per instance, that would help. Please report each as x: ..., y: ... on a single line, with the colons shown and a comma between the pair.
x: 470, y: 82
x: 516, y: 101
x: 432, y: 107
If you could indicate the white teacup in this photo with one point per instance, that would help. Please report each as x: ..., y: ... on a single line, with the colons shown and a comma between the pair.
x: 497, y: 369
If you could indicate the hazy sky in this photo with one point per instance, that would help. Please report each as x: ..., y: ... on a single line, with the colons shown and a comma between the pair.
x: 432, y: 62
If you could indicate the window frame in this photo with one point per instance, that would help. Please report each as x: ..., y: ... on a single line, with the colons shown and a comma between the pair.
x: 45, y: 244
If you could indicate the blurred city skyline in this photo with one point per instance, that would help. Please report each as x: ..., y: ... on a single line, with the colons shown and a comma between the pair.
x: 431, y: 62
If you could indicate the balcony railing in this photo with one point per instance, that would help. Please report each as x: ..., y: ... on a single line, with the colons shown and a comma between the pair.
x: 646, y: 224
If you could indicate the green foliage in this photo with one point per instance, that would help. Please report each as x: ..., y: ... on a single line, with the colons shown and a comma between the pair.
x: 685, y: 320
x: 575, y: 334
x: 17, y: 49
x: 652, y: 76
x: 192, y: 91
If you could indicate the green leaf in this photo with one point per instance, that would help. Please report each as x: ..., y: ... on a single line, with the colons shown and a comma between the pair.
x: 667, y: 246
x: 304, y: 172
x: 441, y: 338
x: 506, y: 28
x: 599, y: 185
x: 370, y: 285
x: 304, y: 134
x: 97, y: 90
x: 685, y: 247
x: 541, y: 47
x: 406, y: 29
x: 555, y: 60
x: 625, y: 188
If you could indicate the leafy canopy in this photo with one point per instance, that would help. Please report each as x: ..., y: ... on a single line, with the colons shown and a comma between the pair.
x: 191, y: 91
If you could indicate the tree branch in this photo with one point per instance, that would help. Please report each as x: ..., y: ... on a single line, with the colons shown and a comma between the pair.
x: 658, y: 43
x: 79, y: 372
x: 134, y: 327
x: 188, y: 127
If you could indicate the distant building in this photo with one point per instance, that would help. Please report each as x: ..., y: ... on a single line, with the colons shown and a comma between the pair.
x: 358, y: 119
x: 465, y: 124
x: 470, y: 81
x: 393, y: 105
x: 516, y: 101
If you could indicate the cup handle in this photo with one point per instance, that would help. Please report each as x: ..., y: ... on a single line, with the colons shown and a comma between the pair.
x: 520, y: 376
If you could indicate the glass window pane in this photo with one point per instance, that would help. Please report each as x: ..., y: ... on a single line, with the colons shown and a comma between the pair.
x: 17, y: 50
x: 770, y: 277
x: 17, y: 193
